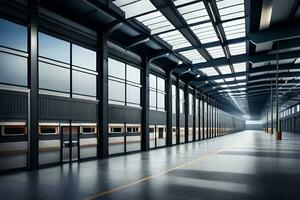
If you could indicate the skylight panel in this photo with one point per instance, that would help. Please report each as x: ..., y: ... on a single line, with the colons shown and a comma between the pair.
x: 219, y: 81
x: 193, y: 13
x: 229, y: 79
x: 205, y: 32
x: 175, y: 38
x: 231, y: 9
x: 209, y: 71
x: 216, y: 52
x: 236, y: 49
x: 239, y: 67
x: 240, y: 78
x: 225, y: 69
x: 181, y: 2
x: 193, y: 55
x: 240, y: 84
x: 133, y: 8
x: 234, y: 29
x: 156, y: 22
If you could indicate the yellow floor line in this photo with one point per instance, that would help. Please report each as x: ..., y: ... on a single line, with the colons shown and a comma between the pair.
x: 151, y: 177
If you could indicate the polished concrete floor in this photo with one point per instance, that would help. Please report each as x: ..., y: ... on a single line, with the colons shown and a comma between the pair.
x: 241, y: 166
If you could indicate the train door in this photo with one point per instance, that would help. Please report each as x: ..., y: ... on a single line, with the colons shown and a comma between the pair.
x: 70, y: 142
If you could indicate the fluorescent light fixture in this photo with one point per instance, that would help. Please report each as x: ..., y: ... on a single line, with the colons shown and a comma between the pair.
x: 266, y: 14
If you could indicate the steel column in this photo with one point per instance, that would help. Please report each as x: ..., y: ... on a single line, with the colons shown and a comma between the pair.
x: 278, y: 132
x: 102, y: 89
x: 177, y: 112
x: 33, y: 103
x: 186, y: 111
x: 202, y: 98
x: 169, y: 108
x: 194, y: 115
x: 145, y: 103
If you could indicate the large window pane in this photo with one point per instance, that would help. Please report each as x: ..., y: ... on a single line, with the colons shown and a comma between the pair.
x: 133, y: 74
x: 54, y: 78
x: 116, y: 69
x: 84, y: 83
x: 51, y: 47
x: 161, y: 101
x: 13, y: 69
x: 116, y: 91
x: 13, y: 35
x: 161, y: 84
x: 152, y: 80
x: 83, y: 57
x: 133, y: 94
x: 153, y: 99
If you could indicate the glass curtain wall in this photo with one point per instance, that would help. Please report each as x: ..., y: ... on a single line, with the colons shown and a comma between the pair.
x: 158, y: 137
x: 124, y: 89
x: 66, y: 70
x: 13, y: 76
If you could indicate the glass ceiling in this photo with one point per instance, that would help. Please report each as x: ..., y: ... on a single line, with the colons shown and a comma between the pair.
x: 230, y: 15
x: 193, y: 55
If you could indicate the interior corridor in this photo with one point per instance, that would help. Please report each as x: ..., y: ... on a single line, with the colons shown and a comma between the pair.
x: 245, y: 165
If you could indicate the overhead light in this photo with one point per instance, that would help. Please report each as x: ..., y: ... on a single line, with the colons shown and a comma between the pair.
x: 206, y: 82
x: 266, y: 14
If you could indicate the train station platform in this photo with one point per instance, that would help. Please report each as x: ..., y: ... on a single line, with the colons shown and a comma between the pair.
x: 245, y: 165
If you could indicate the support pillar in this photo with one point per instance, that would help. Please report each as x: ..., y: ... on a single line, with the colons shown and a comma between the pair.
x: 177, y: 112
x: 33, y: 100
x: 203, y: 125
x: 169, y: 108
x: 272, y: 122
x: 278, y: 131
x: 186, y: 111
x: 199, y: 117
x: 102, y: 89
x: 145, y: 103
x: 194, y: 115
x: 207, y: 100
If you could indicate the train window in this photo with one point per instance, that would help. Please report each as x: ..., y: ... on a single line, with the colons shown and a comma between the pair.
x: 13, y: 130
x: 151, y: 130
x: 116, y: 130
x: 48, y: 130
x: 129, y: 130
x: 88, y: 130
x: 160, y: 132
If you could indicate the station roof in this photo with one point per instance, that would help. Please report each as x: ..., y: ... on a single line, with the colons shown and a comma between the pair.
x: 228, y: 49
